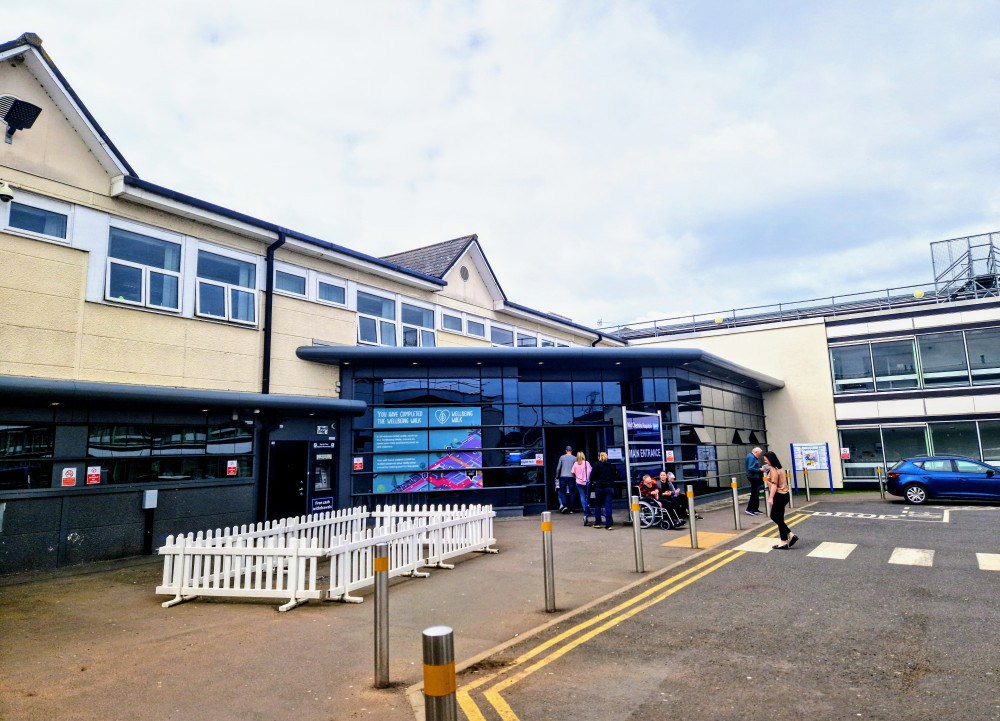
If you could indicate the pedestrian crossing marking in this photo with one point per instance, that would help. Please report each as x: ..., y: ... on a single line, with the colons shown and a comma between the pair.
x: 758, y: 544
x: 988, y: 561
x: 705, y: 540
x: 912, y: 557
x: 828, y: 549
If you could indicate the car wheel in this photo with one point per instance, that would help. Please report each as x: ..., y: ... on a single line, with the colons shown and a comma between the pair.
x: 915, y: 494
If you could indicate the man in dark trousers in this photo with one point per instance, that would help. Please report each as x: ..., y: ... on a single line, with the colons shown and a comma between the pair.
x: 565, y: 481
x: 756, y: 479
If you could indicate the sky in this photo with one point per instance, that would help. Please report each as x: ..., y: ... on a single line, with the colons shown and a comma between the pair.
x: 619, y: 161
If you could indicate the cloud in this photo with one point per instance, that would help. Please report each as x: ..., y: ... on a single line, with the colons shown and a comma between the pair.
x: 618, y: 160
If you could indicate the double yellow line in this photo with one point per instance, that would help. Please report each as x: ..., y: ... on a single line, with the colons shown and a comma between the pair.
x: 597, y: 624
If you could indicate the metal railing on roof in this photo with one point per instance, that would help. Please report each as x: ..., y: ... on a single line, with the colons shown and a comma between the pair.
x: 981, y: 286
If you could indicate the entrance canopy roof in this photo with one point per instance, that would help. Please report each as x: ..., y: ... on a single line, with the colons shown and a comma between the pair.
x: 574, y: 358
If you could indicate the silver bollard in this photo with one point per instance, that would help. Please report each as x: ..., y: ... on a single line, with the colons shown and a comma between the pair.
x: 736, y: 504
x: 640, y: 566
x: 381, y: 567
x: 692, y: 521
x: 805, y: 481
x: 881, y: 482
x: 439, y: 674
x: 547, y: 569
x: 788, y: 482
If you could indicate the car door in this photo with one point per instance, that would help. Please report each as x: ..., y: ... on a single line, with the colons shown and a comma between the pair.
x: 940, y: 478
x: 978, y: 480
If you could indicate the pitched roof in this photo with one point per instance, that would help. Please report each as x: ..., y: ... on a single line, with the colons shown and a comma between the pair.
x: 434, y: 260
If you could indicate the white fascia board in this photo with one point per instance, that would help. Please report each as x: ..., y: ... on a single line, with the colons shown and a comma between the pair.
x: 548, y: 322
x: 317, y: 251
x: 64, y: 101
x: 144, y: 197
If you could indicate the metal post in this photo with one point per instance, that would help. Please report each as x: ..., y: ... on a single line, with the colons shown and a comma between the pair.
x: 439, y: 674
x: 805, y: 481
x: 640, y: 566
x: 767, y: 510
x: 736, y: 505
x: 881, y: 482
x: 788, y: 482
x: 547, y: 572
x: 692, y: 521
x: 381, y: 568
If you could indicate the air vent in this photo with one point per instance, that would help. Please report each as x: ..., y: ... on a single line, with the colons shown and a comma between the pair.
x: 464, y: 272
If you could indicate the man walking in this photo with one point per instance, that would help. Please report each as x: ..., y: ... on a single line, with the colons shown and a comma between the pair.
x: 756, y: 479
x: 566, y: 482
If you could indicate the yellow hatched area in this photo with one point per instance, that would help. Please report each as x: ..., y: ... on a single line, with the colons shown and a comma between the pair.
x: 705, y: 540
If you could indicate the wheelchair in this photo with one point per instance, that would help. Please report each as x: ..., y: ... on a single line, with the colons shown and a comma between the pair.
x: 652, y: 513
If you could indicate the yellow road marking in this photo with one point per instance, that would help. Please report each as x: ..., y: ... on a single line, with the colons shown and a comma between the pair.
x: 463, y: 695
x: 705, y: 540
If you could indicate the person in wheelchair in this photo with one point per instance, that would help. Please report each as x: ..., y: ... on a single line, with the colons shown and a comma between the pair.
x: 674, y: 497
x: 649, y: 491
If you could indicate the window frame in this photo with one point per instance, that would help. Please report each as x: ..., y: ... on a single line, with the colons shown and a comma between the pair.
x: 457, y: 315
x: 293, y: 270
x: 39, y: 202
x: 228, y: 288
x: 378, y: 320
x: 155, y: 234
x: 334, y: 282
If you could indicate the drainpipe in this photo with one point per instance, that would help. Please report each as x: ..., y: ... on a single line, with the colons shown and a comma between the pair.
x: 265, y: 376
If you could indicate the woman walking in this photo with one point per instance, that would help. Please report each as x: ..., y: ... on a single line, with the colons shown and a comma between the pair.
x: 581, y: 472
x: 603, y: 479
x: 778, y: 498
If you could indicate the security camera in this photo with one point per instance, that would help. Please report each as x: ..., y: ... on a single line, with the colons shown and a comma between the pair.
x: 6, y: 194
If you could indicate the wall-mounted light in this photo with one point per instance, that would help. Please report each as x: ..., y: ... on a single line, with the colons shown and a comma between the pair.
x: 18, y: 114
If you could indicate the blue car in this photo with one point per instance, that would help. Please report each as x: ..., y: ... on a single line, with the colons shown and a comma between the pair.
x: 919, y: 480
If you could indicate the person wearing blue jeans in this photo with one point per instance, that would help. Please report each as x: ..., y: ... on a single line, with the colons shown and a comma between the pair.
x: 602, y: 480
x: 565, y: 482
x: 581, y: 476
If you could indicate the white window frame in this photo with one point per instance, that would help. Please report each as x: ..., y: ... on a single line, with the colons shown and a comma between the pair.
x: 502, y: 326
x: 378, y: 319
x: 527, y: 334
x: 419, y: 328
x: 482, y: 321
x: 228, y: 288
x: 453, y: 314
x: 298, y: 272
x: 41, y: 203
x: 156, y: 234
x: 330, y: 280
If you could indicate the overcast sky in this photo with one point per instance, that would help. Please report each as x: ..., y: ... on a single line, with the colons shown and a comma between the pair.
x: 619, y: 160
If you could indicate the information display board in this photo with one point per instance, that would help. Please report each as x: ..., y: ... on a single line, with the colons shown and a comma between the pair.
x: 643, y: 443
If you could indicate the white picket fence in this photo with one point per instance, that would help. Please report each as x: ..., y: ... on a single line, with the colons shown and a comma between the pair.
x: 281, y: 559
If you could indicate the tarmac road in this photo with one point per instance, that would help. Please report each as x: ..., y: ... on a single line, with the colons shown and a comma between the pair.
x: 766, y: 634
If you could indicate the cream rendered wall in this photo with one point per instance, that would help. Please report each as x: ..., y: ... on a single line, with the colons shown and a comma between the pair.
x: 298, y: 323
x: 473, y: 291
x: 802, y: 411
x: 50, y: 148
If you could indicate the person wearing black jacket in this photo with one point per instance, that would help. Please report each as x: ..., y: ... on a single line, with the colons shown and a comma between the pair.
x: 602, y: 480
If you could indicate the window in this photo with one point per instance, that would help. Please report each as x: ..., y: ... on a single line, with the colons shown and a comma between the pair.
x: 143, y: 270
x: 852, y: 368
x: 904, y: 442
x: 865, y: 448
x: 330, y: 293
x: 226, y: 288
x: 989, y: 438
x: 418, y: 326
x: 970, y: 467
x: 984, y: 355
x: 526, y: 341
x: 376, y: 319
x: 955, y: 439
x: 289, y: 282
x: 935, y: 466
x: 451, y: 322
x: 476, y: 328
x: 502, y: 336
x: 546, y: 343
x: 37, y: 220
x: 942, y: 360
x: 895, y: 366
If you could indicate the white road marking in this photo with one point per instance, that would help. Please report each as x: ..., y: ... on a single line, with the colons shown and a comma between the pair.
x: 988, y: 561
x: 912, y: 557
x: 758, y: 544
x: 828, y: 549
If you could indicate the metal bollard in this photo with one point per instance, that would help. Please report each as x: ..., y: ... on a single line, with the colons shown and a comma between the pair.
x: 547, y: 570
x: 736, y: 505
x: 640, y: 566
x: 381, y: 567
x: 692, y: 521
x: 788, y: 482
x: 881, y: 482
x: 805, y: 481
x: 439, y: 674
x: 767, y: 510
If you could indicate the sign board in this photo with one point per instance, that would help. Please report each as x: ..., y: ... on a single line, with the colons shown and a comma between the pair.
x: 69, y: 476
x: 322, y: 430
x: 461, y: 417
x: 645, y: 455
x: 93, y: 475
x: 845, y: 454
x: 614, y: 454
x: 669, y: 457
x: 232, y: 468
x: 538, y: 459
x: 811, y: 457
x: 359, y: 464
x: 319, y: 505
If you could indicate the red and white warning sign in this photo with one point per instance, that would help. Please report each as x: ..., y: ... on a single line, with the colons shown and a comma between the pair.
x: 845, y: 454
x: 93, y: 475
x: 232, y: 468
x: 538, y: 460
x: 359, y: 464
x: 69, y: 476
x: 669, y: 457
